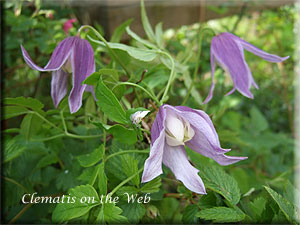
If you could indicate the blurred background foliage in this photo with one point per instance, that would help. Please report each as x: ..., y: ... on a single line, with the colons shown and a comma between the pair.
x: 261, y: 129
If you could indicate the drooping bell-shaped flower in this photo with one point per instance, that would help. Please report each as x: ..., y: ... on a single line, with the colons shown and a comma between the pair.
x: 175, y: 127
x: 228, y: 51
x: 72, y: 55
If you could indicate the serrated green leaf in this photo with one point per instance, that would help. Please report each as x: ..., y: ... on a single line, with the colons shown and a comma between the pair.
x: 130, y: 167
x: 92, y: 158
x: 221, y: 215
x: 67, y: 211
x: 189, y: 214
x: 109, y: 104
x: 146, y: 24
x: 152, y: 186
x: 89, y: 175
x: 134, y: 212
x: 119, y: 31
x: 31, y: 103
x: 217, y: 180
x: 12, y: 111
x: 47, y: 160
x: 124, y: 191
x: 102, y: 180
x: 285, y: 206
x: 30, y: 125
x: 258, y: 206
x: 12, y: 149
x: 110, y: 213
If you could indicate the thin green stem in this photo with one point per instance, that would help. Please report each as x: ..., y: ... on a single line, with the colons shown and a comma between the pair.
x: 142, y: 88
x: 16, y: 183
x: 83, y: 136
x: 125, y: 181
x: 47, y: 121
x: 106, y: 44
x: 63, y: 121
x: 171, y: 77
x: 125, y: 152
x: 50, y: 138
x: 200, y: 38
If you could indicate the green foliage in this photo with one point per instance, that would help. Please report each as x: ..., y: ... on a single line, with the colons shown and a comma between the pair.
x: 91, y: 159
x: 221, y: 215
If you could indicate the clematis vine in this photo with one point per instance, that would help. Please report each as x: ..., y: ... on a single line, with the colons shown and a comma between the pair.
x: 174, y: 128
x: 72, y: 55
x: 228, y: 51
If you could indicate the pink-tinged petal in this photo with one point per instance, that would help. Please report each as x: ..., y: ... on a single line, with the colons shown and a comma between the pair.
x: 83, y: 65
x: 58, y: 58
x: 213, y: 67
x: 153, y: 165
x: 230, y: 56
x: 68, y: 25
x: 59, y: 84
x: 176, y: 159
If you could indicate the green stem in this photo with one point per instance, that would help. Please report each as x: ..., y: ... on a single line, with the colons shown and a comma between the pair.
x: 106, y: 44
x: 47, y: 121
x: 125, y: 152
x: 142, y: 88
x: 171, y: 77
x: 200, y: 38
x: 16, y: 183
x: 50, y: 138
x: 125, y: 181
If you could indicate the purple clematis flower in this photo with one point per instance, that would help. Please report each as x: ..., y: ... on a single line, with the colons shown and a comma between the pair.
x: 228, y: 50
x: 72, y: 55
x: 175, y: 127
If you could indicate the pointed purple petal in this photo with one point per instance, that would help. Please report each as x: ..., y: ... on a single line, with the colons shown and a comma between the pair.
x: 206, y: 140
x: 176, y: 159
x: 83, y: 65
x: 59, y: 84
x: 61, y: 53
x: 213, y: 66
x: 58, y: 58
x: 266, y: 56
x: 90, y: 88
x: 230, y: 56
x: 153, y: 165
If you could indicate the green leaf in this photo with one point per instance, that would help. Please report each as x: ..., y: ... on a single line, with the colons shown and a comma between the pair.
x: 139, y: 39
x: 92, y: 158
x: 152, y: 186
x: 285, y: 206
x: 133, y: 211
x: 102, y: 180
x: 119, y: 31
x: 217, y: 180
x: 146, y: 23
x: 258, y: 120
x: 26, y: 102
x: 189, y: 214
x: 30, y: 125
x: 139, y: 54
x: 105, y: 73
x: 67, y: 211
x: 89, y: 175
x: 111, y: 214
x: 159, y: 34
x: 12, y: 149
x: 109, y: 104
x: 130, y: 167
x: 123, y: 134
x: 47, y: 160
x: 124, y: 191
x: 221, y: 215
x: 258, y: 206
x: 12, y: 111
